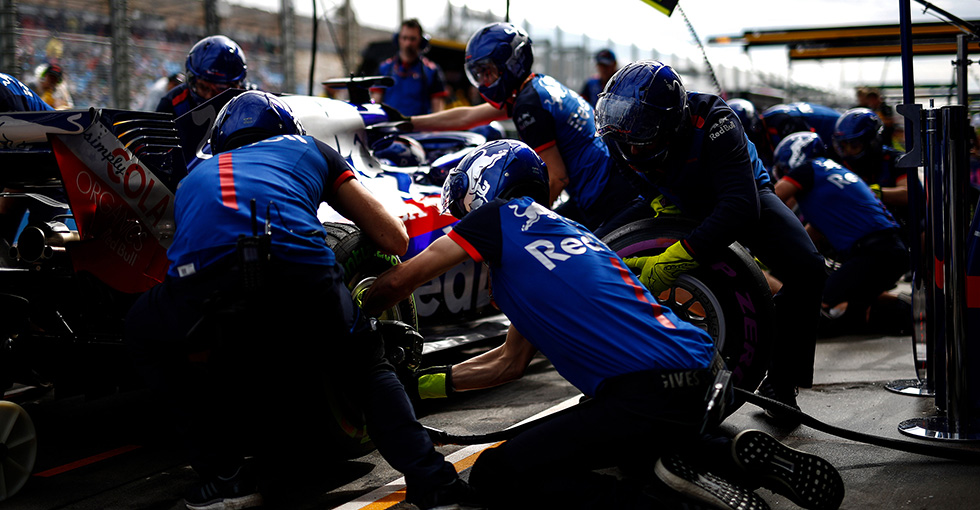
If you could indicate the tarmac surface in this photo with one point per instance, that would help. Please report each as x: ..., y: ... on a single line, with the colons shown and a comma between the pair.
x: 136, y: 464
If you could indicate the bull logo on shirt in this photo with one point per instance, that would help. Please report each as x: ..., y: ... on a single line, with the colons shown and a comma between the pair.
x: 555, y: 91
x: 531, y: 214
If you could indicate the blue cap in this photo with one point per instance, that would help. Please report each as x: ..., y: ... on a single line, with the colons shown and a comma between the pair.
x: 605, y: 56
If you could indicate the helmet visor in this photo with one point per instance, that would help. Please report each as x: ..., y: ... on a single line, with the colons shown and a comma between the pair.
x: 627, y: 120
x: 482, y: 73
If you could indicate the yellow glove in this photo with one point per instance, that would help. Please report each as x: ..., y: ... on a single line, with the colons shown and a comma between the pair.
x: 876, y: 189
x: 659, y: 272
x: 661, y: 205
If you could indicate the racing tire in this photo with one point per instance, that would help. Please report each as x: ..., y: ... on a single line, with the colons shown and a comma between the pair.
x: 727, y: 297
x: 362, y: 263
x: 18, y: 448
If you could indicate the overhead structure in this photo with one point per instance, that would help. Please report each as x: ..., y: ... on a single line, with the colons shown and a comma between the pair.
x: 854, y: 41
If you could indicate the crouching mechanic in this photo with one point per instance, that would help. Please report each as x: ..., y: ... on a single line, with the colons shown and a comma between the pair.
x: 691, y: 148
x: 262, y: 154
x: 571, y: 297
x: 842, y: 209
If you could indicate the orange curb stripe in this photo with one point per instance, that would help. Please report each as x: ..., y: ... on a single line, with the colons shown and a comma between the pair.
x: 86, y: 461
x: 398, y: 496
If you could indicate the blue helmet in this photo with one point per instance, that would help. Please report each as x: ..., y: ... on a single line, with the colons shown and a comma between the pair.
x: 745, y: 111
x: 216, y: 59
x: 645, y: 105
x: 857, y: 135
x: 782, y: 120
x: 250, y: 117
x: 497, y: 169
x: 498, y: 60
x: 796, y: 150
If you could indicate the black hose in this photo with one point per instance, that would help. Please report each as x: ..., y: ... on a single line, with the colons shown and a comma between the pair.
x: 931, y: 450
x: 441, y: 437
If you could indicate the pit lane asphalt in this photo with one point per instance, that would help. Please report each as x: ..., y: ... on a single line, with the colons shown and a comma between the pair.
x: 107, y: 454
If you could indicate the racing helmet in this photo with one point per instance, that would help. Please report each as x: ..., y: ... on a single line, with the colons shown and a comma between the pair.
x: 857, y: 135
x: 745, y: 111
x: 641, y: 110
x: 250, y: 117
x: 498, y: 60
x: 497, y: 169
x: 782, y: 120
x: 795, y: 150
x: 216, y: 59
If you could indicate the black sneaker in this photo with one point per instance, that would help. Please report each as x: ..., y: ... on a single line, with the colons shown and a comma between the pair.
x: 707, y: 489
x: 457, y: 495
x: 808, y: 480
x: 785, y: 395
x: 237, y: 492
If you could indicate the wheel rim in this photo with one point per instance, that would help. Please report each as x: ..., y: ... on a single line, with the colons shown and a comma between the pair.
x: 691, y: 300
x: 18, y: 448
x: 393, y: 313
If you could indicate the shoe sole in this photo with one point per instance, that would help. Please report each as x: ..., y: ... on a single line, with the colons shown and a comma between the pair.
x: 807, y: 480
x: 706, y: 488
x: 249, y: 501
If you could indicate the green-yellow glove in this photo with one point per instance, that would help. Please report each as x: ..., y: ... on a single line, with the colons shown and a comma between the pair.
x: 661, y: 205
x: 659, y: 272
x: 876, y: 189
x: 431, y: 382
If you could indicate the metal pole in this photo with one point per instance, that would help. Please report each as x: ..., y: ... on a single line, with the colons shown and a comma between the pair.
x: 287, y: 43
x: 922, y: 261
x: 120, y: 53
x: 8, y: 40
x: 960, y: 407
x: 212, y: 23
x: 959, y: 423
x: 962, y: 62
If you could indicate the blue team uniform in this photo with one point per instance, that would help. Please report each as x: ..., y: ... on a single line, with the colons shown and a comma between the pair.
x: 177, y: 101
x: 15, y: 96
x: 293, y: 173
x: 415, y: 85
x: 862, y: 232
x: 574, y: 298
x: 840, y: 205
x: 547, y: 114
x: 591, y: 90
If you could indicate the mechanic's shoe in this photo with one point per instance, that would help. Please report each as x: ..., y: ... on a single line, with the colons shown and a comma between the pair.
x: 233, y: 493
x: 808, y: 480
x: 704, y: 489
x: 457, y: 495
x: 785, y: 395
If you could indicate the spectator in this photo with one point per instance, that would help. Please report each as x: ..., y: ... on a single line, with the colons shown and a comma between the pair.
x: 419, y: 87
x: 605, y: 66
x: 52, y: 88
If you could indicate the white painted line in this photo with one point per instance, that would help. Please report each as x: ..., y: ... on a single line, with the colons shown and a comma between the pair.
x: 399, y: 484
